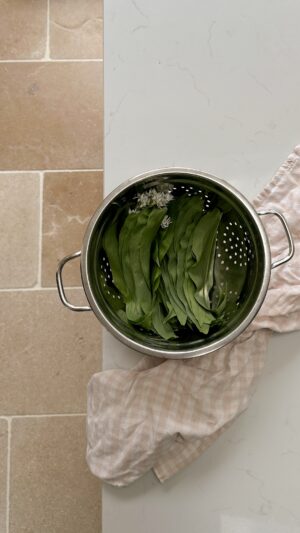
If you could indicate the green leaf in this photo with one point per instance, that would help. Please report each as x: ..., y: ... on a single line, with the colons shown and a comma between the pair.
x: 124, y: 236
x: 201, y: 317
x: 161, y: 246
x: 136, y: 237
x: 160, y: 325
x: 140, y: 300
x: 191, y: 211
x: 167, y: 287
x: 111, y: 247
x: 164, y: 241
x: 154, y: 221
x: 204, y: 246
x: 171, y: 313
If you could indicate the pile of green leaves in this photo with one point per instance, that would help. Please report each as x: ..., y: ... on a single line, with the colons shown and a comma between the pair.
x: 166, y: 276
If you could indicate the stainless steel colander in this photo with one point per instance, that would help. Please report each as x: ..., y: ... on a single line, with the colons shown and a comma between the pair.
x: 242, y: 252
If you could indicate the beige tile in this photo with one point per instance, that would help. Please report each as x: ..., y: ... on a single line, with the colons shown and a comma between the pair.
x: 76, y: 29
x: 51, y: 488
x: 23, y: 29
x: 47, y: 353
x: 19, y: 235
x: 70, y: 198
x: 3, y: 472
x: 51, y: 115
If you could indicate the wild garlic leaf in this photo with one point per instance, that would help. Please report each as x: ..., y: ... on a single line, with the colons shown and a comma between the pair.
x: 204, y: 247
x: 188, y: 209
x: 202, y: 317
x: 140, y: 299
x: 183, y: 295
x: 111, y: 247
x: 136, y: 237
x: 198, y: 315
x: 169, y: 289
x: 161, y: 246
x: 160, y: 325
x: 124, y: 238
x: 154, y: 221
x: 191, y: 211
x: 122, y: 315
x: 171, y: 313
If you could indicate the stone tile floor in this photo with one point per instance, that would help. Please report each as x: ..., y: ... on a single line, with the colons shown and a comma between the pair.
x: 51, y: 114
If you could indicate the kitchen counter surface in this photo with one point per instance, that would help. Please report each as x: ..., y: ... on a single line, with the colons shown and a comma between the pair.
x: 214, y: 86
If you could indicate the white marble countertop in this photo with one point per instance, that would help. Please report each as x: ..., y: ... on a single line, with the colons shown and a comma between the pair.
x: 214, y: 86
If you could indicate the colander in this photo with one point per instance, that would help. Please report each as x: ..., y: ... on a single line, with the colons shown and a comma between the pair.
x: 242, y: 255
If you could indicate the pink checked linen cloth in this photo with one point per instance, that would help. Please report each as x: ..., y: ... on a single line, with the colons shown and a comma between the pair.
x: 163, y: 414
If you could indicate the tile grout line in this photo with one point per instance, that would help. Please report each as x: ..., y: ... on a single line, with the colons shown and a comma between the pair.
x: 39, y: 273
x: 47, y: 50
x: 8, y: 473
x: 51, y: 60
x: 9, y: 418
x: 51, y: 170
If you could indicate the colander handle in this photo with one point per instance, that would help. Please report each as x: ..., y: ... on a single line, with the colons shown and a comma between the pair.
x: 288, y: 234
x: 60, y: 285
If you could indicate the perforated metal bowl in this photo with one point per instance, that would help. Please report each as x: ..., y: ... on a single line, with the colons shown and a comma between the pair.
x: 242, y: 240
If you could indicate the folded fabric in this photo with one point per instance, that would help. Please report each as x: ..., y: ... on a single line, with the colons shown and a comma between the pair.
x: 163, y: 414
